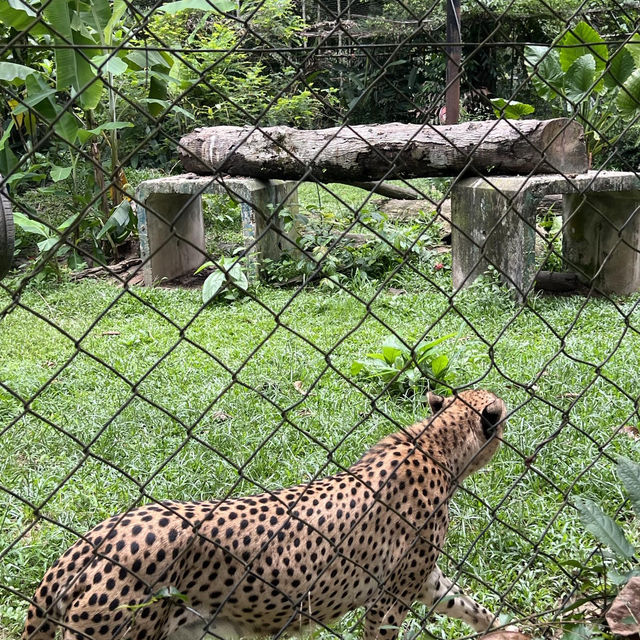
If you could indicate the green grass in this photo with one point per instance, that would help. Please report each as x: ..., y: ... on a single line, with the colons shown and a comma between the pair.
x: 112, y: 396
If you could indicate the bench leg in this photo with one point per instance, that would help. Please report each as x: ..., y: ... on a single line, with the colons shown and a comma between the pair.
x: 171, y: 231
x: 495, y: 227
x: 262, y: 228
x: 601, y: 239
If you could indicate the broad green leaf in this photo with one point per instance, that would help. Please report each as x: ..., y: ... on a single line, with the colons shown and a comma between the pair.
x: 147, y: 59
x: 212, y: 285
x: 439, y: 365
x: 31, y: 226
x: 240, y: 279
x: 628, y: 98
x: 15, y: 73
x: 629, y: 473
x: 60, y: 173
x: 40, y: 99
x: 21, y: 17
x: 390, y: 353
x: 622, y: 578
x: 424, y: 347
x: 118, y: 220
x: 603, y: 527
x: 621, y: 66
x: 68, y: 222
x: 583, y: 40
x: 580, y: 78
x: 73, y: 70
x: 101, y: 14
x: 356, y: 367
x: 511, y: 109
x: 49, y: 243
x: 109, y: 63
x: 634, y: 48
x: 543, y: 66
x: 76, y: 262
x: 202, y: 5
x: 119, y: 8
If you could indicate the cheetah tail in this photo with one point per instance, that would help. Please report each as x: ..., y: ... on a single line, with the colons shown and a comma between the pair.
x: 39, y: 625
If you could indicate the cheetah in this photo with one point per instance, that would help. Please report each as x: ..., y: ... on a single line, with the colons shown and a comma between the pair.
x: 275, y: 564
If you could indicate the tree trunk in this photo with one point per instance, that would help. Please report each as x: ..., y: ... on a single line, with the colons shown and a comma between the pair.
x: 373, y: 152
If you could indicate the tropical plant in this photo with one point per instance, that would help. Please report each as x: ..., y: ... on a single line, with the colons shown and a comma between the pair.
x: 579, y: 75
x: 228, y: 280
x: 402, y: 369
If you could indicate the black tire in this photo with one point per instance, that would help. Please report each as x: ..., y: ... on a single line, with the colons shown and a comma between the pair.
x: 7, y: 232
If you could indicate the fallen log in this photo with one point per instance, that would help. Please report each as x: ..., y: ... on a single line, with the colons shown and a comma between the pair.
x: 372, y: 152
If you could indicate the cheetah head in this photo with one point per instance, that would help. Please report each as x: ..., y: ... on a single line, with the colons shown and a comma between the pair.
x: 470, y: 427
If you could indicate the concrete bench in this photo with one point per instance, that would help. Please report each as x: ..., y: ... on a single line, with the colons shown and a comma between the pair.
x: 494, y: 222
x: 171, y: 225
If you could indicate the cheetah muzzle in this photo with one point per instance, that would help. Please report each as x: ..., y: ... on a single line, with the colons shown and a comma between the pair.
x: 273, y: 563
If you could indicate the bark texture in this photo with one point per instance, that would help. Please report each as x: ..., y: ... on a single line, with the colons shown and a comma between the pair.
x: 372, y: 152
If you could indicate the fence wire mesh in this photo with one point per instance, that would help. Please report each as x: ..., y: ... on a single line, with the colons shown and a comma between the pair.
x: 197, y: 363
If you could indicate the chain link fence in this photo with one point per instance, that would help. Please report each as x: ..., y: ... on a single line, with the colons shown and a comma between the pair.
x: 167, y: 337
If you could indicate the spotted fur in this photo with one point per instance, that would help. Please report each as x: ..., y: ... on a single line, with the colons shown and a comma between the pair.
x: 277, y: 562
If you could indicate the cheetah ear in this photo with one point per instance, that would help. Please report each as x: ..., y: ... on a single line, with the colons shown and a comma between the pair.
x: 491, y: 416
x: 435, y: 402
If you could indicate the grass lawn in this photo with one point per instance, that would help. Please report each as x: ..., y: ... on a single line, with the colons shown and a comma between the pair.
x: 110, y: 397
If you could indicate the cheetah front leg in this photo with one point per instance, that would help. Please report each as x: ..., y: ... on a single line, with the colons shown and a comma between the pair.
x: 450, y: 601
x: 384, y: 619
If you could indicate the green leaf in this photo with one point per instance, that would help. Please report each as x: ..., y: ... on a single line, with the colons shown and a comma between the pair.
x: 583, y: 40
x: 212, y: 285
x: 147, y: 59
x: 45, y: 245
x: 356, y: 367
x: 60, y: 173
x: 629, y: 473
x: 68, y: 222
x: 603, y: 528
x: 634, y: 48
x: 204, y: 266
x: 621, y: 66
x: 21, y: 17
x: 439, y: 365
x: 580, y: 78
x: 390, y: 353
x: 510, y: 109
x: 543, y: 66
x: 622, y: 578
x: 202, y: 5
x: 86, y: 134
x: 628, y: 98
x: 118, y: 220
x: 15, y: 73
x: 73, y: 70
x: 8, y: 160
x: 76, y: 262
x: 119, y: 7
x: 109, y: 63
x: 31, y: 226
